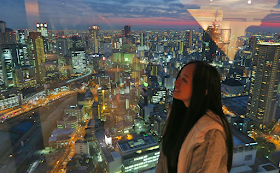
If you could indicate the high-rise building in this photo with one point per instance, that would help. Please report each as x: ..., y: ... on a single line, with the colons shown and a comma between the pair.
x: 78, y: 61
x: 2, y: 26
x: 22, y: 36
x: 93, y: 40
x: 43, y: 28
x: 264, y: 83
x: 138, y: 154
x: 127, y: 29
x: 8, y: 36
x: 75, y: 41
x: 142, y: 38
x: 36, y: 54
x: 62, y: 46
x: 209, y: 46
x: 181, y: 46
x: 189, y: 38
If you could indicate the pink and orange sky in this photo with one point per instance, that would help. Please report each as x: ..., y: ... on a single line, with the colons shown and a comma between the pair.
x: 111, y: 14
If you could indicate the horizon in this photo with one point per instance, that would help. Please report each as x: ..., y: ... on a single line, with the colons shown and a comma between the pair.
x: 111, y: 15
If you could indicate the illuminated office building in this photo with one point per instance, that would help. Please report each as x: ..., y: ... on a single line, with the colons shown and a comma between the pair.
x: 67, y: 122
x: 103, y: 100
x: 142, y: 38
x: 62, y: 46
x: 189, y: 38
x: 76, y: 110
x: 127, y: 30
x: 75, y: 42
x: 78, y: 61
x: 264, y: 84
x: 43, y: 28
x: 93, y: 40
x: 8, y: 100
x: 7, y: 35
x: 13, y: 55
x: 139, y: 154
x: 36, y: 54
x: 22, y: 36
x: 181, y: 46
x: 209, y: 46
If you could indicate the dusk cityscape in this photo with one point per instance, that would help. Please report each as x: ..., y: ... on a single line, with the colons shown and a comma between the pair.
x: 86, y: 86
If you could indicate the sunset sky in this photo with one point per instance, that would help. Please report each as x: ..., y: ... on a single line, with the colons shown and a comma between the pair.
x: 114, y: 14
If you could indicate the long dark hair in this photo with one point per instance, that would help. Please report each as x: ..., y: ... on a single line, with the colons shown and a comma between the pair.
x: 205, y: 77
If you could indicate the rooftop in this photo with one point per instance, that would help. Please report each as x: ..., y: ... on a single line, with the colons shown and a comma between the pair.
x: 232, y: 82
x: 137, y: 143
x: 237, y: 105
x: 57, y: 132
x: 240, y: 138
x: 80, y: 141
x: 269, y: 44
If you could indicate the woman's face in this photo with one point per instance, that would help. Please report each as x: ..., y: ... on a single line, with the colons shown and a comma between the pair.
x: 183, y: 85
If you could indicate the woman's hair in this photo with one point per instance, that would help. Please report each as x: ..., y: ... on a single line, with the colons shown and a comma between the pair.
x: 205, y: 77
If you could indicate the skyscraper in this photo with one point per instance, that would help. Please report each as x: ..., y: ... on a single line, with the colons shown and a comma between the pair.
x: 93, y: 41
x: 142, y: 38
x: 127, y: 29
x: 209, y: 47
x: 62, y: 46
x: 189, y: 38
x: 36, y: 54
x: 264, y: 83
x: 43, y: 28
x: 78, y: 61
x: 21, y: 36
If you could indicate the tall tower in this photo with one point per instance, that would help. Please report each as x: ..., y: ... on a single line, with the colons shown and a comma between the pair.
x: 264, y: 83
x: 35, y: 47
x: 93, y: 33
x: 142, y: 38
x: 189, y: 38
x: 43, y: 28
x: 127, y: 29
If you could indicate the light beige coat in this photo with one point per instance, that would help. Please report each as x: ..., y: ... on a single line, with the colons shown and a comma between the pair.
x: 207, y: 122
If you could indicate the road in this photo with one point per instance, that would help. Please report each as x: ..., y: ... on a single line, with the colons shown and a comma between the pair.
x: 39, y: 135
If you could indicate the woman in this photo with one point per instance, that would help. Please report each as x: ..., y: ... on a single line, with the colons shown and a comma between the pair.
x: 197, y: 137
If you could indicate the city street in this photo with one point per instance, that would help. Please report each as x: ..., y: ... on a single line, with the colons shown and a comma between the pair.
x: 46, y: 123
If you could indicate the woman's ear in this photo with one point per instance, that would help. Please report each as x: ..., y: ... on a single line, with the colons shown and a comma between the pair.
x: 206, y: 92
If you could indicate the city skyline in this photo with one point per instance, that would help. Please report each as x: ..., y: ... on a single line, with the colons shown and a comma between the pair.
x: 160, y: 14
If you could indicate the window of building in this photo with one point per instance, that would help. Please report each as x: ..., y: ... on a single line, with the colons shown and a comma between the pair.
x: 248, y: 157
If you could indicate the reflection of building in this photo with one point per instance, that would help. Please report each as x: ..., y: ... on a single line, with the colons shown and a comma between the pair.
x: 139, y: 154
x: 209, y: 46
x: 264, y: 83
